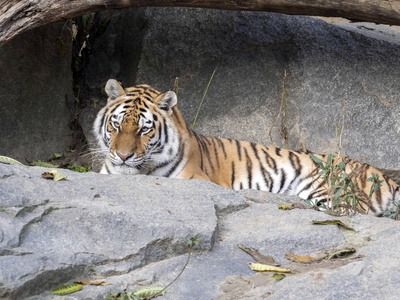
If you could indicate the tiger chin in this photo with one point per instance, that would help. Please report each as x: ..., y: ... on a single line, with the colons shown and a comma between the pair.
x: 141, y: 131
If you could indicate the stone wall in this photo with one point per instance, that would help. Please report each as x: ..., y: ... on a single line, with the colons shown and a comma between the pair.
x: 37, y: 102
x: 325, y: 63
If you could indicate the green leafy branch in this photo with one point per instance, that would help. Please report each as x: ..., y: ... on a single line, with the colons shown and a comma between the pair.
x: 342, y: 191
x: 376, y: 184
x: 393, y: 213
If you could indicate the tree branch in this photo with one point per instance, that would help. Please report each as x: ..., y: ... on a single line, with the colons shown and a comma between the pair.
x: 17, y: 16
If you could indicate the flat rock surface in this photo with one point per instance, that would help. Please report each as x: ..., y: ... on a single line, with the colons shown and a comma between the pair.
x: 127, y: 230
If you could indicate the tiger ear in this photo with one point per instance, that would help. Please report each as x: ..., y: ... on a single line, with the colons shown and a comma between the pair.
x: 114, y: 89
x: 167, y: 101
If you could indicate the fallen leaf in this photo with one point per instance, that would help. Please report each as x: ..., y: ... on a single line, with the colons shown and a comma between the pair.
x: 149, y: 291
x: 285, y: 207
x: 87, y: 282
x: 67, y: 289
x: 54, y: 174
x: 57, y: 176
x: 48, y: 175
x: 341, y: 253
x: 263, y: 259
x: 39, y: 163
x: 9, y: 160
x: 278, y: 276
x: 299, y: 258
x: 267, y: 268
x: 332, y: 222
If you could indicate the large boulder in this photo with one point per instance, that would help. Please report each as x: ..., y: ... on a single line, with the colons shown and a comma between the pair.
x: 37, y: 104
x: 325, y: 63
x: 127, y: 230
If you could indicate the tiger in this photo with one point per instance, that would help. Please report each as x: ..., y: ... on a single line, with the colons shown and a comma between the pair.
x: 141, y: 131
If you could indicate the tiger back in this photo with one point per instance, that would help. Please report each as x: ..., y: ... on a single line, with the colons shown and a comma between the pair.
x: 141, y: 131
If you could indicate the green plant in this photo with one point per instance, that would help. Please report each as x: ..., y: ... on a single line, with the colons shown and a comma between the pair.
x: 56, y: 156
x: 376, y: 183
x: 85, y: 19
x: 40, y: 163
x: 77, y: 168
x: 342, y: 193
x: 138, y: 294
x: 393, y: 213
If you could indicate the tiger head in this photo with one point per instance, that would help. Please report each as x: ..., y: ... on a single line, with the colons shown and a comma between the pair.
x: 134, y: 128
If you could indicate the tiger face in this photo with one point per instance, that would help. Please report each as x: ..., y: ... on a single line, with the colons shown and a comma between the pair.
x: 128, y: 128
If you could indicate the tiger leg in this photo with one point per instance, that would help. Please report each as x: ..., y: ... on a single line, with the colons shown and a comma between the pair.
x: 193, y: 173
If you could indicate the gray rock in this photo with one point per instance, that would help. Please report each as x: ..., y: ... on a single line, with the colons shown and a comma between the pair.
x: 70, y: 228
x: 127, y: 230
x: 36, y: 90
x: 325, y: 63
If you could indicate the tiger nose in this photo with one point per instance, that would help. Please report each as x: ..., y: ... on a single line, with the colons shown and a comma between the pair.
x: 124, y: 157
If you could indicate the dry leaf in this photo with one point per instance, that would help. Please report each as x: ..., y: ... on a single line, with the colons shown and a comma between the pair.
x: 285, y: 207
x: 341, y: 253
x: 48, y: 175
x: 332, y: 222
x: 57, y: 176
x: 263, y: 259
x: 9, y: 160
x: 299, y: 258
x: 87, y: 282
x: 267, y: 268
x: 54, y: 174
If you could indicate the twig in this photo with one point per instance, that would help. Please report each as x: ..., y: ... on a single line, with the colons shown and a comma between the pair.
x: 176, y: 86
x: 284, y: 101
x: 194, y: 122
x: 192, y: 242
x: 339, y: 137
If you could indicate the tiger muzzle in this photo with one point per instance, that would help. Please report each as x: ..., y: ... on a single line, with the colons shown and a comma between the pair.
x: 124, y: 157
